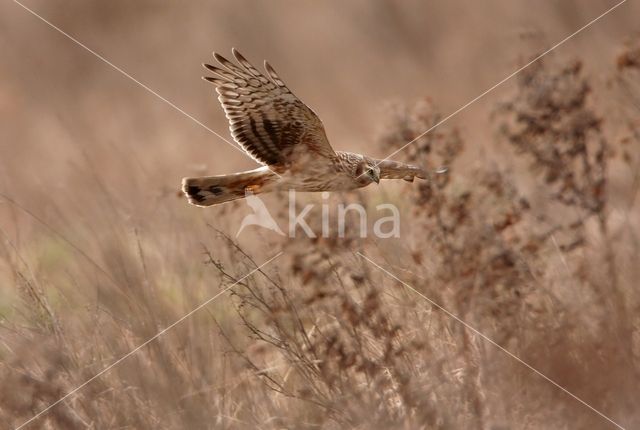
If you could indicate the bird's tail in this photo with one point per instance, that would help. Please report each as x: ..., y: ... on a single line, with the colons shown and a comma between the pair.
x: 213, y: 190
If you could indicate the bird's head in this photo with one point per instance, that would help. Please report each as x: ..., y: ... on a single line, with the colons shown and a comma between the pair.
x: 367, y: 172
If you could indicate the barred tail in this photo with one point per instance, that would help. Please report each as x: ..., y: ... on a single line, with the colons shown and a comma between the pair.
x: 213, y: 190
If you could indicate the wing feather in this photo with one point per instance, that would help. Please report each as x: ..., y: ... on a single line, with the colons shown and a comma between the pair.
x: 390, y: 169
x: 265, y: 118
x: 273, y: 75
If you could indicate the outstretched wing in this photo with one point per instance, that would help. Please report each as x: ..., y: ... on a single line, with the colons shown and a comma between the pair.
x: 270, y: 123
x: 390, y: 169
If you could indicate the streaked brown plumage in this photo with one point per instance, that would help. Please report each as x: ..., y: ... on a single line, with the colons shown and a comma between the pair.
x: 286, y: 136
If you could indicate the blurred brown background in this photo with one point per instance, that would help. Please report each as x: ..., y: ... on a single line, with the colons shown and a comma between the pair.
x: 99, y: 252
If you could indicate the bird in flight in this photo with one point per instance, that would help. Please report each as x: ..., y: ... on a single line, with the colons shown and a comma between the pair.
x: 284, y: 135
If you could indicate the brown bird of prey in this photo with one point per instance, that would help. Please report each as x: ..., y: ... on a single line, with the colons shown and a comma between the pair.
x: 283, y: 134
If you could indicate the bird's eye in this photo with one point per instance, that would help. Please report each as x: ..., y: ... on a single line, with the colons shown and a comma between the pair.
x: 369, y: 171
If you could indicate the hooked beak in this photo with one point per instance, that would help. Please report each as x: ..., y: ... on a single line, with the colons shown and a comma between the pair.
x: 376, y: 179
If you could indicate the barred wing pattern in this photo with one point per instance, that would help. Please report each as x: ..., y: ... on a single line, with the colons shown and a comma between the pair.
x: 270, y: 123
x: 390, y: 169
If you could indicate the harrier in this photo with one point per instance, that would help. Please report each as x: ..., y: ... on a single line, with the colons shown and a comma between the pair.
x: 283, y: 134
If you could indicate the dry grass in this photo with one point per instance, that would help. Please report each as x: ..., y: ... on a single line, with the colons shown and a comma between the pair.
x: 537, y: 248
